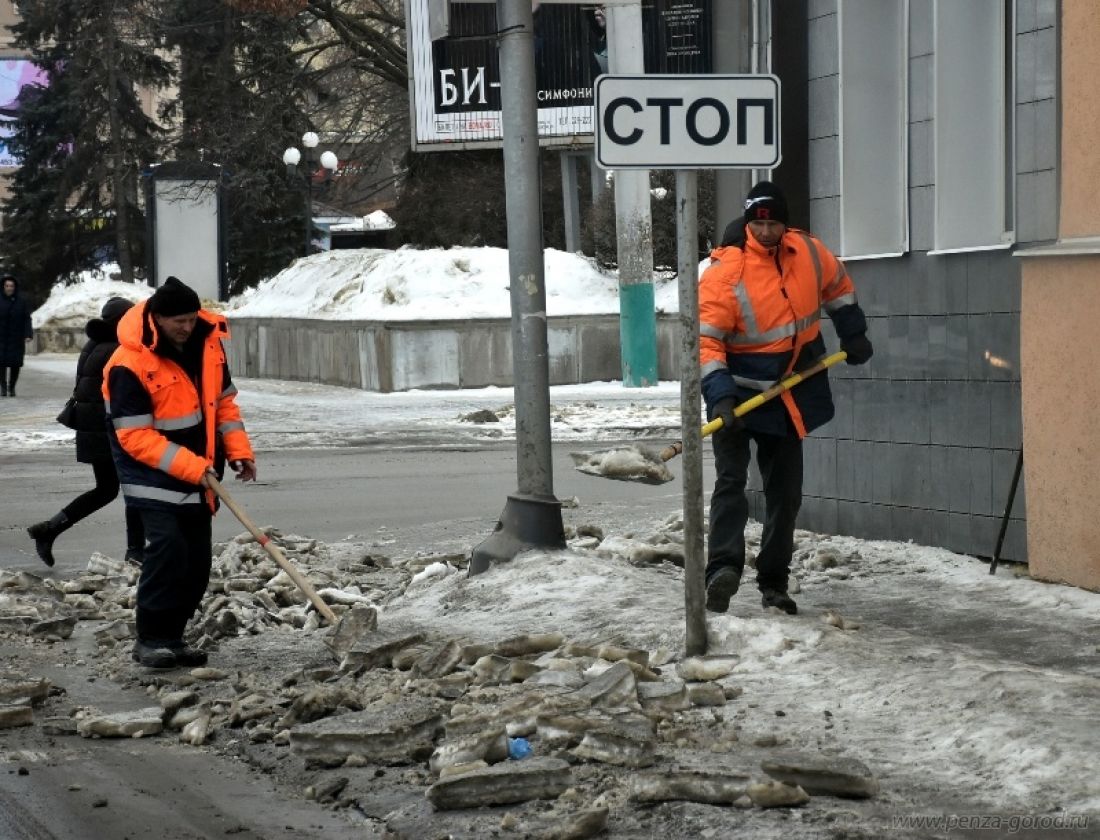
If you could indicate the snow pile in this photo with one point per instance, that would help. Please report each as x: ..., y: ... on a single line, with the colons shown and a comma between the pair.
x: 632, y: 463
x: 892, y: 687
x: 378, y: 220
x: 381, y: 285
x: 409, y: 284
x: 74, y: 303
x: 586, y: 597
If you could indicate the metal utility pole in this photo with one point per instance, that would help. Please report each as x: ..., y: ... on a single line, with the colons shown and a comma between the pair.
x: 309, y: 201
x: 687, y: 249
x: 532, y: 515
x: 633, y: 222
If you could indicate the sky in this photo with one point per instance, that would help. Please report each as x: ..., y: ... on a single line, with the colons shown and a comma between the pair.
x: 951, y: 684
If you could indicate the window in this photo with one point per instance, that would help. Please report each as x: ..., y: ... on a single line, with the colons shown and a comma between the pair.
x: 874, y: 176
x: 973, y: 126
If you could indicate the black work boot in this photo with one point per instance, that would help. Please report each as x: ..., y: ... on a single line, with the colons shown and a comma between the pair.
x: 44, y: 533
x: 188, y: 656
x: 722, y: 586
x: 779, y: 599
x: 153, y: 653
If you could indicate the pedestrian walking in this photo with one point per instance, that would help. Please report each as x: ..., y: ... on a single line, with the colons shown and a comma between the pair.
x: 173, y: 423
x: 89, y: 418
x: 15, y: 333
x: 760, y: 305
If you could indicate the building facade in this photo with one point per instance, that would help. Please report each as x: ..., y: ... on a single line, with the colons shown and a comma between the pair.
x: 930, y: 161
x: 1058, y: 312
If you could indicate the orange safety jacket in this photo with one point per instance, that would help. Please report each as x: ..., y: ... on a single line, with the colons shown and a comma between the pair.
x: 759, y: 314
x: 164, y: 432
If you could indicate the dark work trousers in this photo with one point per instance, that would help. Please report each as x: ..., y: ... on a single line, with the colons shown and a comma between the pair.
x: 104, y: 492
x: 780, y: 461
x: 175, y: 570
x: 8, y: 377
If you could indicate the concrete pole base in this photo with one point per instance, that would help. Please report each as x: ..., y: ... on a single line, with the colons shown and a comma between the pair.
x: 527, y: 522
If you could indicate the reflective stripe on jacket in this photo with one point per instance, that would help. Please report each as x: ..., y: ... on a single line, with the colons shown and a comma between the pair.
x: 759, y: 320
x: 164, y: 433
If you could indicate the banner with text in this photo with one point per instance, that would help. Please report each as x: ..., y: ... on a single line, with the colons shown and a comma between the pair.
x: 15, y: 74
x: 455, y: 81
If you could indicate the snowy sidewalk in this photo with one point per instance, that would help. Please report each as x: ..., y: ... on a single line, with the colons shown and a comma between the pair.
x: 964, y: 693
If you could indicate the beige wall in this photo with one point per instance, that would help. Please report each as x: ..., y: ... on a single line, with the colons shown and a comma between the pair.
x: 1060, y: 310
x: 7, y: 16
x: 1080, y: 210
x: 1061, y: 414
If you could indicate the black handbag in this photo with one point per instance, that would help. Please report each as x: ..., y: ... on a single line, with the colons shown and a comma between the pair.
x: 67, y: 417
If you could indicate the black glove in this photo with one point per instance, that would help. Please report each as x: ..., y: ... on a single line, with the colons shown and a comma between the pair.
x: 724, y: 409
x: 859, y: 349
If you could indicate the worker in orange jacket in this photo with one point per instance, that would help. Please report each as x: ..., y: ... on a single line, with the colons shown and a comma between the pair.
x: 173, y: 421
x: 760, y: 304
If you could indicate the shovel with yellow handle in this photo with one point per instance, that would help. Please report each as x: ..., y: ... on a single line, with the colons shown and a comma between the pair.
x: 638, y: 463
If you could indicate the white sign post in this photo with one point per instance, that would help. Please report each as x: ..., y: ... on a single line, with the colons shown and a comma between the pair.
x: 687, y: 123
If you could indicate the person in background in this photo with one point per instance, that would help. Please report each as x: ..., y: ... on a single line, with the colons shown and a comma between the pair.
x: 173, y: 421
x: 15, y: 333
x: 90, y: 422
x: 760, y: 305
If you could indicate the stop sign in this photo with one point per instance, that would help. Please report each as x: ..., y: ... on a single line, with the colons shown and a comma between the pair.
x: 687, y: 122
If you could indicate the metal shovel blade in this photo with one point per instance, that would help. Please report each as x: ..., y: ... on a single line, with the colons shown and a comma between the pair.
x: 630, y: 463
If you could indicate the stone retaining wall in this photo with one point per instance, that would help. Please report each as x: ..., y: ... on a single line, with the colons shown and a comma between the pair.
x: 399, y: 356
x: 58, y: 340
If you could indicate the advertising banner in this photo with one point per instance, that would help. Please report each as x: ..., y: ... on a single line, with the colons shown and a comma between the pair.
x: 455, y: 81
x: 15, y: 74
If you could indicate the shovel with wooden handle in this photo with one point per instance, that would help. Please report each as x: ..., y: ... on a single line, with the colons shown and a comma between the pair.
x: 273, y: 550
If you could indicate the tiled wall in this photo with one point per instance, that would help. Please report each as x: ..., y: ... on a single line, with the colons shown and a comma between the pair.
x: 926, y: 436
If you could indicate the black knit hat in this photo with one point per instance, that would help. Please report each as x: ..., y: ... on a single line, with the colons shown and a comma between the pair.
x: 766, y: 203
x: 174, y: 298
x: 114, y: 309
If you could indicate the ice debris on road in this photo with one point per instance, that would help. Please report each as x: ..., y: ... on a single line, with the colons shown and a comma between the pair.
x: 580, y: 653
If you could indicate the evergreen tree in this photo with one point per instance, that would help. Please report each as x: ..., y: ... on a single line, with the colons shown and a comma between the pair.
x: 82, y: 138
x: 243, y: 94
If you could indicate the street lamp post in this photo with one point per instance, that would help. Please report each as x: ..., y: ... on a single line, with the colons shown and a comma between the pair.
x: 291, y: 157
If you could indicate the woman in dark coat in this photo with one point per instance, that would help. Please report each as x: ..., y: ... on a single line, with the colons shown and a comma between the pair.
x: 15, y: 332
x: 92, y: 446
